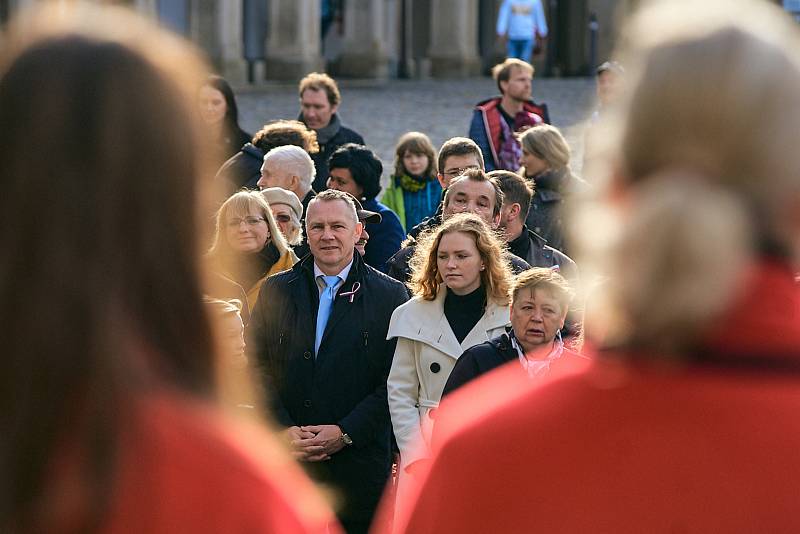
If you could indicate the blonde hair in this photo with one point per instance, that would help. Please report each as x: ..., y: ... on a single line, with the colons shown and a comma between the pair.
x: 240, y: 205
x: 495, y: 278
x: 705, y: 138
x: 543, y: 278
x: 546, y: 142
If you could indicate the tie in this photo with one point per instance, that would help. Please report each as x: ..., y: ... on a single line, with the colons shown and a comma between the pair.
x: 325, y: 305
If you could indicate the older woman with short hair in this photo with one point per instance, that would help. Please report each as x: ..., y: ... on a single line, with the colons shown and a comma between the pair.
x: 248, y: 245
x: 540, y: 299
x: 460, y: 284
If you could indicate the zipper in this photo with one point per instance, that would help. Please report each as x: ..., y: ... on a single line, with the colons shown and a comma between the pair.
x: 365, y: 335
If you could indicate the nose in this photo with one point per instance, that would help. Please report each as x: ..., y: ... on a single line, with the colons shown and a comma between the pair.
x: 451, y: 263
x: 261, y: 183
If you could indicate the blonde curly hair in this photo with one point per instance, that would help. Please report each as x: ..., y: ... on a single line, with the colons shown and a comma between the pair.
x: 495, y: 278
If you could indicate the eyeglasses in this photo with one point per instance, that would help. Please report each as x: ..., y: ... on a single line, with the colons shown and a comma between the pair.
x: 282, y: 218
x: 249, y: 221
x: 459, y: 171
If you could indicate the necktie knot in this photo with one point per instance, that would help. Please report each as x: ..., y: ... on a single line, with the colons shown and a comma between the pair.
x: 330, y: 281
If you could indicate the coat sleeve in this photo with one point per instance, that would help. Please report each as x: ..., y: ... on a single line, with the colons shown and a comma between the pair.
x: 362, y: 422
x: 264, y: 332
x: 477, y: 132
x: 403, y: 389
x: 466, y: 369
x: 502, y: 18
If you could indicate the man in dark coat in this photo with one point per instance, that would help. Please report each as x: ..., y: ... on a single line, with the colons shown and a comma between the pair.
x: 319, y: 331
x: 319, y: 101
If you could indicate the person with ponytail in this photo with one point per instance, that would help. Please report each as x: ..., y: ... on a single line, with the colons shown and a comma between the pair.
x: 687, y: 419
x: 108, y: 400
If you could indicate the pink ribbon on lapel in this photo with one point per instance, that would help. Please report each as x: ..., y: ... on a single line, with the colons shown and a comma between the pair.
x: 352, y: 292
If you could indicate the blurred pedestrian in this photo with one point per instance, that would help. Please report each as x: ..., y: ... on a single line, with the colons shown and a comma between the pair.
x: 218, y: 109
x: 523, y: 27
x: 545, y: 162
x: 108, y: 378
x: 687, y: 418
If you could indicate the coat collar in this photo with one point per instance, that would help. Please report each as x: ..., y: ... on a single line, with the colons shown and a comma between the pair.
x: 424, y: 321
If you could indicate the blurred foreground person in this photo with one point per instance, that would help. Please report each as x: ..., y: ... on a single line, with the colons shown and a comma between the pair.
x: 688, y: 420
x: 106, y: 392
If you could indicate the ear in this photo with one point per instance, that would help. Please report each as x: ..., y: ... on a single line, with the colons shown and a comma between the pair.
x: 514, y: 210
x: 496, y: 221
x: 359, y: 228
x: 295, y: 183
x: 444, y: 183
x: 334, y: 108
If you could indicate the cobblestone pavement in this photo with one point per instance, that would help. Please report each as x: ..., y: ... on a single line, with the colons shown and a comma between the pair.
x: 441, y: 109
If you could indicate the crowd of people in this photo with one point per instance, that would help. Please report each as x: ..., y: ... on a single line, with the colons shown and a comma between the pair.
x: 215, y: 332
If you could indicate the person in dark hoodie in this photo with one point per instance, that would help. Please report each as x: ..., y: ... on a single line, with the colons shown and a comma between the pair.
x: 319, y: 101
x: 243, y: 169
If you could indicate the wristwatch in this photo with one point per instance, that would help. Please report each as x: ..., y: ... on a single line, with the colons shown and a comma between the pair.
x: 347, y: 440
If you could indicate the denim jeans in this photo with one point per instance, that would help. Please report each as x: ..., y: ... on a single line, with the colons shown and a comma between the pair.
x: 520, y: 48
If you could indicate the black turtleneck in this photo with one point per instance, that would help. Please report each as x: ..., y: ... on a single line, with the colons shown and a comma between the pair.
x: 521, y: 245
x: 464, y: 311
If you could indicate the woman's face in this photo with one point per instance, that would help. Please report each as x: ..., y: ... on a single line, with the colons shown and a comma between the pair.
x: 536, y: 317
x: 459, y: 262
x: 248, y: 234
x: 533, y: 164
x: 415, y: 163
x: 342, y: 180
x: 212, y: 105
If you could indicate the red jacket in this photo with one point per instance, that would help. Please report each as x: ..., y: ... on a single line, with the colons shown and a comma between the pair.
x: 703, y: 447
x: 182, y: 467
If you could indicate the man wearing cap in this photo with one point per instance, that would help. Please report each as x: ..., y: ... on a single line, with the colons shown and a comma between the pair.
x: 319, y: 332
x: 365, y: 217
x: 609, y: 81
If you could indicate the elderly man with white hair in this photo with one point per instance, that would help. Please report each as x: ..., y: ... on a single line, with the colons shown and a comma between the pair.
x: 291, y: 168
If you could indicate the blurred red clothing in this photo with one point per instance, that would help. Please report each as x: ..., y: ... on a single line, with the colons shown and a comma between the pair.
x: 710, y: 445
x: 184, y: 467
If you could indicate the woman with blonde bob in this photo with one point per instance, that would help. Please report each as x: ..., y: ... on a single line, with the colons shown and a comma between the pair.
x: 460, y: 283
x: 545, y: 162
x: 688, y: 418
x: 107, y: 394
x: 248, y: 244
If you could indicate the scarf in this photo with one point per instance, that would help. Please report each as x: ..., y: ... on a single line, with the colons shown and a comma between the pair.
x: 413, y: 184
x: 328, y: 132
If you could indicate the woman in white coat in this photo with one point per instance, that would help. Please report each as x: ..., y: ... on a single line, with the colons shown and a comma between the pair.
x: 460, y: 283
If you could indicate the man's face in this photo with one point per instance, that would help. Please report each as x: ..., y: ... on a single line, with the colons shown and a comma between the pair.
x: 342, y: 180
x: 272, y: 175
x: 332, y: 234
x: 607, y: 87
x: 536, y: 317
x: 362, y: 241
x: 455, y: 166
x: 470, y: 196
x: 518, y: 86
x: 316, y: 109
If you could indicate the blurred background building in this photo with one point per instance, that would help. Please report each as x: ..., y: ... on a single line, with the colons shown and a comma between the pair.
x: 257, y: 40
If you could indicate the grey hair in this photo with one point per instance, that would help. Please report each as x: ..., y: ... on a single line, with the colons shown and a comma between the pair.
x: 295, y: 160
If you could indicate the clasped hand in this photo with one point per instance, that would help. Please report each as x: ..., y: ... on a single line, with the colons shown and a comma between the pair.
x: 315, y: 443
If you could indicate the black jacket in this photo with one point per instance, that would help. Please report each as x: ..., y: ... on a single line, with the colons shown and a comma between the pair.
x: 345, y: 384
x: 243, y: 169
x: 555, y: 191
x: 534, y: 249
x: 480, y: 359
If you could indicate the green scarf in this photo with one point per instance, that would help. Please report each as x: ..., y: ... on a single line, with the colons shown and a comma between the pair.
x: 413, y: 184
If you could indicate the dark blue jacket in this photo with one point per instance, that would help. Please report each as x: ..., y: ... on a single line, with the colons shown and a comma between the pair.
x: 384, y: 238
x: 243, y: 169
x: 345, y: 384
